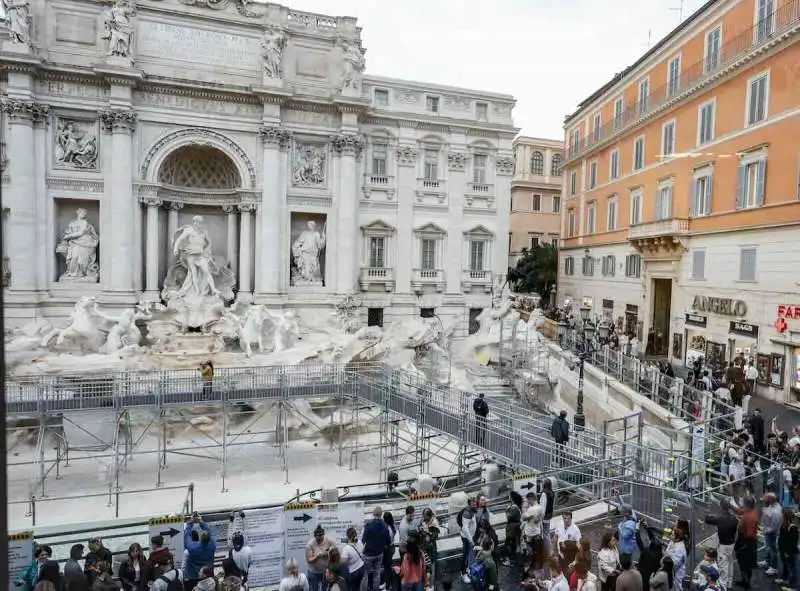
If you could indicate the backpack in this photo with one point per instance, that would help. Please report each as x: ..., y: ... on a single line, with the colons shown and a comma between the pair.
x: 173, y: 584
x: 298, y: 584
x: 477, y: 576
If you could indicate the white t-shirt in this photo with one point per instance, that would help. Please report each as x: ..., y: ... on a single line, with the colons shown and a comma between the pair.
x: 291, y: 582
x: 559, y: 584
x: 532, y: 524
x: 352, y: 556
x: 570, y: 534
x: 751, y: 373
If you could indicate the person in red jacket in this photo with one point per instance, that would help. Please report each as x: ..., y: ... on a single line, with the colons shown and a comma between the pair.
x: 158, y: 551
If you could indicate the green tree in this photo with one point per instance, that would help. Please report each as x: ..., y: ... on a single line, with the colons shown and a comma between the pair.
x: 535, y: 271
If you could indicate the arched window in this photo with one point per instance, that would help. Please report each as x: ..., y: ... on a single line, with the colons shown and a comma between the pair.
x: 537, y: 163
x: 555, y: 165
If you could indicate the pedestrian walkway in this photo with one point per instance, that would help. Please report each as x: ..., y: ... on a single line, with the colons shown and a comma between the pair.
x: 787, y: 417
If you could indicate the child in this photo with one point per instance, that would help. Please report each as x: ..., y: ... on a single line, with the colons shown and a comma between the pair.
x: 709, y: 560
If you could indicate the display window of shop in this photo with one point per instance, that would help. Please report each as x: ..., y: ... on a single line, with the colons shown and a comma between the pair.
x: 632, y: 324
x: 715, y: 354
x: 695, y: 339
x: 770, y: 369
x: 795, y: 370
x: 742, y: 340
x: 608, y: 310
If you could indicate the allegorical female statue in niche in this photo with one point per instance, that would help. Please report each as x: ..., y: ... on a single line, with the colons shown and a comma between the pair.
x: 78, y: 246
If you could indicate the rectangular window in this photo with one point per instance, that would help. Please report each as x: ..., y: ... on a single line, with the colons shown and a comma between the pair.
x: 713, y: 45
x: 375, y: 317
x: 668, y: 139
x: 377, y: 252
x: 575, y: 141
x: 698, y: 265
x: 592, y: 175
x: 381, y: 97
x: 476, y: 248
x: 554, y: 242
x: 636, y: 207
x: 705, y: 122
x: 481, y: 111
x: 701, y: 195
x: 479, y: 168
x: 432, y: 104
x: 664, y: 203
x: 569, y: 266
x: 573, y: 183
x: 609, y: 263
x: 644, y: 92
x: 596, y: 128
x: 591, y: 216
x: 674, y: 76
x: 431, y: 165
x: 556, y: 203
x: 750, y: 183
x: 619, y: 107
x: 765, y: 19
x: 587, y: 265
x: 428, y: 254
x: 537, y: 203
x: 571, y: 223
x: 757, y: 97
x: 379, y: 157
x: 613, y: 172
x: 638, y: 153
x: 633, y: 265
x: 427, y: 312
x: 611, y: 220
x: 747, y: 264
x: 534, y: 242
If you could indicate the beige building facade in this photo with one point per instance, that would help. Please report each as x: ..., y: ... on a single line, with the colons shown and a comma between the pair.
x: 535, y: 194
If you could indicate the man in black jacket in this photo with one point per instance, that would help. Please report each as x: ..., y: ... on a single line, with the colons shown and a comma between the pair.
x: 481, y: 409
x: 560, y: 434
x: 726, y: 524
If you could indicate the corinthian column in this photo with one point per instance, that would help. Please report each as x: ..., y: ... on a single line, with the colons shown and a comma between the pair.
x: 19, y: 194
x: 245, y: 250
x: 273, y: 214
x: 152, y: 251
x: 172, y: 222
x: 232, y: 250
x: 348, y: 147
x: 121, y: 240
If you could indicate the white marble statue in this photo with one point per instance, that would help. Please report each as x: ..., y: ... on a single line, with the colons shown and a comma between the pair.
x: 273, y: 45
x: 308, y: 167
x: 119, y: 29
x: 17, y: 17
x: 123, y: 332
x: 353, y: 65
x: 251, y: 330
x: 306, y: 250
x: 196, y: 272
x: 74, y: 147
x: 78, y: 246
x: 83, y: 330
x: 286, y: 329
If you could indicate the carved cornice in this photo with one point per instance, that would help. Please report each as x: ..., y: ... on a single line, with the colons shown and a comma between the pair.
x: 504, y: 166
x: 118, y: 120
x: 348, y: 143
x: 190, y: 92
x: 366, y: 120
x: 426, y: 126
x: 275, y: 135
x: 407, y: 156
x: 313, y: 107
x: 78, y: 185
x: 151, y: 200
x: 247, y: 207
x: 457, y: 160
x: 27, y: 111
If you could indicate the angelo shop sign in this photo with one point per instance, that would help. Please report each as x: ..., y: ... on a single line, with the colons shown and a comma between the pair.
x: 721, y: 306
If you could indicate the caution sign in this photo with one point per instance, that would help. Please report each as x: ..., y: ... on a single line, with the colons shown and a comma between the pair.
x: 299, y: 521
x: 524, y: 483
x: 20, y: 555
x: 422, y: 501
x: 171, y: 529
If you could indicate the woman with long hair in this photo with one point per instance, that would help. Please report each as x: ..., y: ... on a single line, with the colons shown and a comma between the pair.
x: 788, y: 537
x: 429, y: 532
x: 353, y: 558
x: 388, y: 555
x: 664, y: 578
x: 676, y: 551
x: 513, y: 527
x: 608, y: 562
x: 132, y: 571
x: 294, y: 579
x: 585, y: 578
x: 412, y: 569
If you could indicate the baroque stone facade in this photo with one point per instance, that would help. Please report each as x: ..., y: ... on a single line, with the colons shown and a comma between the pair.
x: 299, y: 163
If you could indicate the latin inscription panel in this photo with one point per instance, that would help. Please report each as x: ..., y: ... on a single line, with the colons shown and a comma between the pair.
x: 168, y: 42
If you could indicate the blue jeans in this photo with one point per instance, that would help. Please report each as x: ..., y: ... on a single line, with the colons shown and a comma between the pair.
x: 418, y: 586
x: 790, y: 567
x: 466, y: 554
x: 771, y: 541
x: 372, y: 564
x: 546, y: 535
x: 316, y: 581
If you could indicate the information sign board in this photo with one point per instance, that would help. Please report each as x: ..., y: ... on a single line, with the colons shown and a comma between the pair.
x: 171, y: 529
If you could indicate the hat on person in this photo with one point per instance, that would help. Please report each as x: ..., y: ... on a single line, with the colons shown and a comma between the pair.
x: 710, y: 571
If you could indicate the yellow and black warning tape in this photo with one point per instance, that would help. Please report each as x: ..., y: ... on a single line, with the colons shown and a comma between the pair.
x: 23, y: 535
x: 524, y: 475
x: 422, y: 496
x: 166, y: 520
x: 299, y: 506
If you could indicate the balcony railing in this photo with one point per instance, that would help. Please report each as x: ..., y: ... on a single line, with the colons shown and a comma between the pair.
x: 785, y: 18
x: 378, y: 180
x: 430, y: 184
x: 426, y: 275
x: 480, y: 188
x: 376, y: 273
x: 671, y: 227
x: 477, y: 276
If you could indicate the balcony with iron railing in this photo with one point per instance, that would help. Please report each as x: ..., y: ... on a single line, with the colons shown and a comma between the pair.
x: 659, y: 229
x: 380, y: 276
x: 426, y: 184
x: 378, y: 181
x: 476, y: 278
x: 783, y: 22
x: 422, y: 278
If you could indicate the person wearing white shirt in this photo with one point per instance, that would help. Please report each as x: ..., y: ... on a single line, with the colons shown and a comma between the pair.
x: 294, y: 579
x: 566, y: 531
x: 558, y: 582
x: 532, y: 519
x: 750, y: 377
x: 353, y: 556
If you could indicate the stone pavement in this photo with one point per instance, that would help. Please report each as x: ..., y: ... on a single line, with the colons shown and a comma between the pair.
x: 787, y: 416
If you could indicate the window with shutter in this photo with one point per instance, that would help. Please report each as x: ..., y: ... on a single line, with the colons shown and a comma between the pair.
x: 428, y: 254
x: 698, y: 264
x: 377, y: 252
x: 476, y: 255
x: 747, y: 264
x: 751, y: 179
x: 757, y: 91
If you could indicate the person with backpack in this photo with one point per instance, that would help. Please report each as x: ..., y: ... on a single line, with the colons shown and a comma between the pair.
x: 481, y: 409
x: 353, y: 559
x: 294, y: 579
x: 167, y: 577
x: 241, y: 555
x: 467, y: 528
x: 483, y: 570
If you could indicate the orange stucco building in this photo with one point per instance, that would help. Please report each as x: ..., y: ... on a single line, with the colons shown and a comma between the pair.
x: 681, y: 213
x: 535, y: 194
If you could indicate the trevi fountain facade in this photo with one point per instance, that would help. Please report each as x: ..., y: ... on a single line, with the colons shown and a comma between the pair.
x: 210, y: 167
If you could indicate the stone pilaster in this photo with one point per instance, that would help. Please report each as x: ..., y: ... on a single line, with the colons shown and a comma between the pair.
x: 152, y: 246
x: 245, y: 249
x: 232, y: 242
x: 349, y: 147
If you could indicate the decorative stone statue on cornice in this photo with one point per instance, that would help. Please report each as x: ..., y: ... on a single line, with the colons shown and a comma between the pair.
x: 504, y: 166
x: 19, y: 20
x: 348, y: 143
x: 119, y: 28
x: 275, y: 135
x: 353, y: 65
x: 457, y: 160
x: 407, y: 156
x: 273, y: 46
x: 25, y: 110
x: 118, y: 119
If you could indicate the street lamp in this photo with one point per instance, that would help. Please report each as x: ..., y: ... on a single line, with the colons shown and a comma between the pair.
x: 561, y: 331
x: 585, y: 312
x: 584, y: 350
x: 603, y: 330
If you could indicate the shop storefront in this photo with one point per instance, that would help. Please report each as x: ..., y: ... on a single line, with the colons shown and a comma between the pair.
x: 782, y: 370
x: 608, y: 311
x: 695, y: 338
x: 632, y: 325
x: 720, y: 348
x: 742, y: 340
